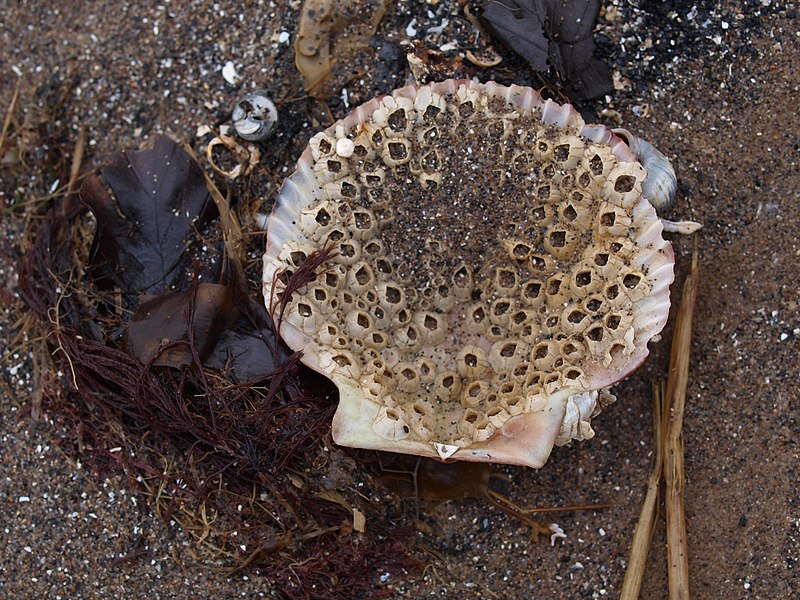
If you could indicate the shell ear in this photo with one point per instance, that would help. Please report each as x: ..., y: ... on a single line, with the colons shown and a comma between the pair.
x: 661, y: 184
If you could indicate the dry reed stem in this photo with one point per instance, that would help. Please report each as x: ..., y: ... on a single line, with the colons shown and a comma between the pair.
x: 643, y: 534
x: 232, y: 236
x: 77, y: 160
x: 9, y: 115
x: 677, y: 551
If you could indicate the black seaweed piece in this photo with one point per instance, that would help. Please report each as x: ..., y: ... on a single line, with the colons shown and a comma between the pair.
x: 554, y: 34
x: 144, y: 224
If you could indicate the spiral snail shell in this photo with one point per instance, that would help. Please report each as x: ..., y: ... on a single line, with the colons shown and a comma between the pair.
x: 661, y: 183
x: 254, y: 116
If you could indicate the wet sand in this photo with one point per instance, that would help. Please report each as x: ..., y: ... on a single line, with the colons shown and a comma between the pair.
x: 717, y: 91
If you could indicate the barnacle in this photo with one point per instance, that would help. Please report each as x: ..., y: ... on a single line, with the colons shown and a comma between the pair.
x: 496, y: 267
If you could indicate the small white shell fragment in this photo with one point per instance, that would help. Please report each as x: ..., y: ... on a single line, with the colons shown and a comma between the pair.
x: 682, y: 227
x: 229, y: 73
x: 557, y: 533
x: 254, y: 116
x: 445, y: 451
x: 345, y: 147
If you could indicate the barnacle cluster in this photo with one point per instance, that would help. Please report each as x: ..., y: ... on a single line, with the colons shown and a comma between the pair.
x: 489, y: 250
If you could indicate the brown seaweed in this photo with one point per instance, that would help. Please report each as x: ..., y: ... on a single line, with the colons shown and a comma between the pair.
x: 557, y: 35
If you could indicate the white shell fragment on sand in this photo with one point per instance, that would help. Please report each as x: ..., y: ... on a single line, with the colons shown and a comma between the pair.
x: 496, y: 265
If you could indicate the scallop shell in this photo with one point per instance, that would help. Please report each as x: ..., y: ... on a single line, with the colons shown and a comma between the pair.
x: 498, y: 258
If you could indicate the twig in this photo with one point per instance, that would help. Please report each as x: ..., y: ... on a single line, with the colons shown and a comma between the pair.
x: 77, y: 159
x: 643, y: 534
x: 9, y: 115
x: 677, y: 552
x: 54, y: 314
x: 287, y: 539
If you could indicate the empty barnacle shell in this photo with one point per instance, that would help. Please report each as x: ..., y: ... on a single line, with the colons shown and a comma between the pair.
x: 486, y: 58
x: 465, y: 315
x: 246, y: 156
x: 254, y: 116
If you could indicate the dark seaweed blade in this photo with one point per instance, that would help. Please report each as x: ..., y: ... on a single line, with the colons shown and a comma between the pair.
x: 207, y: 324
x: 585, y: 76
x: 145, y: 224
x: 248, y: 350
x: 569, y: 27
x: 520, y: 25
x: 169, y: 329
x: 571, y: 21
x: 557, y: 34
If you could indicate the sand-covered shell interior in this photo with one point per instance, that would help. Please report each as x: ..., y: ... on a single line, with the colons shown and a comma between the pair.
x: 493, y: 252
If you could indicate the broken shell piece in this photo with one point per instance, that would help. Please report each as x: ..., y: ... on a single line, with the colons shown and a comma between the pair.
x: 556, y: 533
x: 444, y: 451
x: 246, y: 157
x: 486, y: 58
x: 254, y: 116
x: 493, y: 297
x: 683, y: 227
